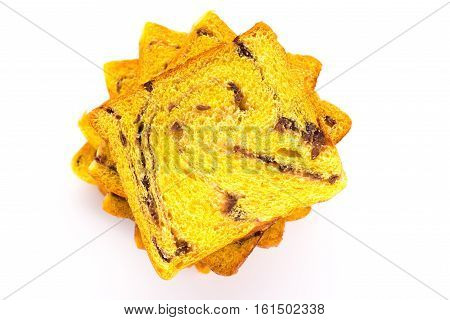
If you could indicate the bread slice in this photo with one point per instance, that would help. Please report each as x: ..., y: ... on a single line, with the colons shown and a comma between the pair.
x: 334, y: 121
x: 227, y: 261
x: 156, y: 50
x: 157, y: 47
x: 81, y: 161
x: 103, y: 170
x: 117, y: 206
x: 138, y: 238
x: 239, y: 84
x: 208, y: 32
x: 121, y: 76
x: 298, y: 214
x: 202, y: 267
x: 236, y: 253
x: 273, y: 236
x: 89, y: 133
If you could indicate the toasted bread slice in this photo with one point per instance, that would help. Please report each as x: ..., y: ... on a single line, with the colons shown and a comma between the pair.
x: 81, y: 161
x: 233, y: 84
x: 272, y: 236
x: 227, y: 261
x: 202, y: 267
x: 117, y: 206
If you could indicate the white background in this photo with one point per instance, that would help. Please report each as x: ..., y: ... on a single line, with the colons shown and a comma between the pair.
x: 396, y: 155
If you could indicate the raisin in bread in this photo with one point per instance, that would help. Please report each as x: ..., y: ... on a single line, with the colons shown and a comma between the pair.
x: 186, y: 214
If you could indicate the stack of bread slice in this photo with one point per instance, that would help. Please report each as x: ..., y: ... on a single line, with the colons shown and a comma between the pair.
x: 211, y: 142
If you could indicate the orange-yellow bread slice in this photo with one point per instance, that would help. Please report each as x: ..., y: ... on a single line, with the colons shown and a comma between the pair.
x: 157, y: 47
x: 202, y: 267
x: 273, y: 236
x: 298, y: 213
x: 120, y: 76
x: 237, y: 254
x: 104, y: 171
x: 117, y: 206
x: 102, y: 189
x: 208, y: 32
x: 81, y: 161
x: 138, y: 238
x: 89, y: 133
x: 334, y: 121
x: 227, y: 261
x: 240, y: 84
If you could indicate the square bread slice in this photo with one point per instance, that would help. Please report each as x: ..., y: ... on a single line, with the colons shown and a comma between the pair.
x: 187, y: 212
